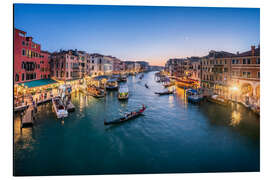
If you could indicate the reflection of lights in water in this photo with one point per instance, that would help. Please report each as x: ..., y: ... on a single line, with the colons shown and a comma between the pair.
x: 62, y: 122
x: 24, y: 135
x: 171, y: 98
x: 236, y: 118
x: 181, y: 94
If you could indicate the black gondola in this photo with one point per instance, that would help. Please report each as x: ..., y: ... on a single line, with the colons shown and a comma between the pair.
x: 164, y: 93
x: 129, y: 116
x: 146, y: 86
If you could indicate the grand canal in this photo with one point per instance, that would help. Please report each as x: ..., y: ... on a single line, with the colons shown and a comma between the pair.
x: 172, y: 136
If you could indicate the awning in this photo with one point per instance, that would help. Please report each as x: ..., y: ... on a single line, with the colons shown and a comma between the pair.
x: 37, y: 83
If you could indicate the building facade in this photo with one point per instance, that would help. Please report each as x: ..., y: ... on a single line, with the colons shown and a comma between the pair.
x: 30, y: 63
x: 68, y: 65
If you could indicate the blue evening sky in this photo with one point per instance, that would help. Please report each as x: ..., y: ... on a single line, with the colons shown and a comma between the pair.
x: 146, y: 33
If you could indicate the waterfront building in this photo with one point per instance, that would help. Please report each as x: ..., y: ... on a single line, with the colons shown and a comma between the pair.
x: 196, y: 70
x: 68, y: 65
x: 30, y: 63
x: 215, y: 68
x: 144, y: 66
x: 137, y: 67
x: 101, y: 65
x: 175, y: 67
x: 245, y: 76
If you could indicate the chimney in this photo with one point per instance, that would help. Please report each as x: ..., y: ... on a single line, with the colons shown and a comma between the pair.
x: 237, y: 52
x: 252, y: 50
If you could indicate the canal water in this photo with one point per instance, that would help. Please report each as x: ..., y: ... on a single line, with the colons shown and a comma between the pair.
x: 173, y: 136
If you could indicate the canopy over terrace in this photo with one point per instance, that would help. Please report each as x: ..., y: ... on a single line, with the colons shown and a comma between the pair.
x: 38, y: 83
x: 35, y: 86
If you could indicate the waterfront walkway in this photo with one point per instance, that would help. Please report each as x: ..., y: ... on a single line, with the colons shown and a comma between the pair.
x: 28, y: 118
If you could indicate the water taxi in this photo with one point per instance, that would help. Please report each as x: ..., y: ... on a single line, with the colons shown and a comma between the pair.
x: 194, y: 96
x: 218, y: 99
x: 59, y: 108
x: 112, y: 84
x: 123, y: 92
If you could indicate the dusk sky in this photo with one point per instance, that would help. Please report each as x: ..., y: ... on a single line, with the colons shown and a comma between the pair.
x: 153, y: 34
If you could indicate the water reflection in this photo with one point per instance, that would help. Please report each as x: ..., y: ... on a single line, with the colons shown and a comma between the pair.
x: 23, y: 137
x: 236, y: 118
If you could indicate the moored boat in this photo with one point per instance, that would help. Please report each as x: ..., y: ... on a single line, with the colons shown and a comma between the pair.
x: 146, y: 85
x: 195, y: 98
x: 127, y: 117
x: 59, y: 108
x: 123, y: 92
x: 218, y: 99
x: 123, y: 78
x: 111, y: 84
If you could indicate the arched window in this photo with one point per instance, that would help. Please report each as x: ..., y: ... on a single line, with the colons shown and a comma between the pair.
x: 23, y: 52
x: 17, y: 77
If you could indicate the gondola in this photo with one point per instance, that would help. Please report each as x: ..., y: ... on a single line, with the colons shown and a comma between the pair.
x: 164, y: 93
x: 127, y: 117
x: 146, y: 86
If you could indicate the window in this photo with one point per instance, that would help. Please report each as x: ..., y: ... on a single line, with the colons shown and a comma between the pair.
x: 248, y: 74
x: 233, y: 61
x: 17, y: 77
x: 258, y: 61
x: 225, y: 61
x: 248, y: 61
x: 22, y: 76
x: 220, y: 61
x: 244, y: 61
x: 225, y: 69
x: 23, y: 43
x: 237, y: 61
x: 258, y: 74
x: 23, y: 52
x: 67, y: 74
x: 244, y: 74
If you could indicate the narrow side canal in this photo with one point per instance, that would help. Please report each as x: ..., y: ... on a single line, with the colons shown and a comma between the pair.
x: 173, y: 136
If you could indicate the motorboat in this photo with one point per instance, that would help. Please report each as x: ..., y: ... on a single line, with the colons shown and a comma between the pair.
x: 59, y: 108
x: 123, y: 92
x: 112, y: 84
x: 218, y: 99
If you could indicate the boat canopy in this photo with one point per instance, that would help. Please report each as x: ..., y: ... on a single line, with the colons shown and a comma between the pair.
x: 123, y: 89
x: 112, y: 80
x: 98, y: 78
